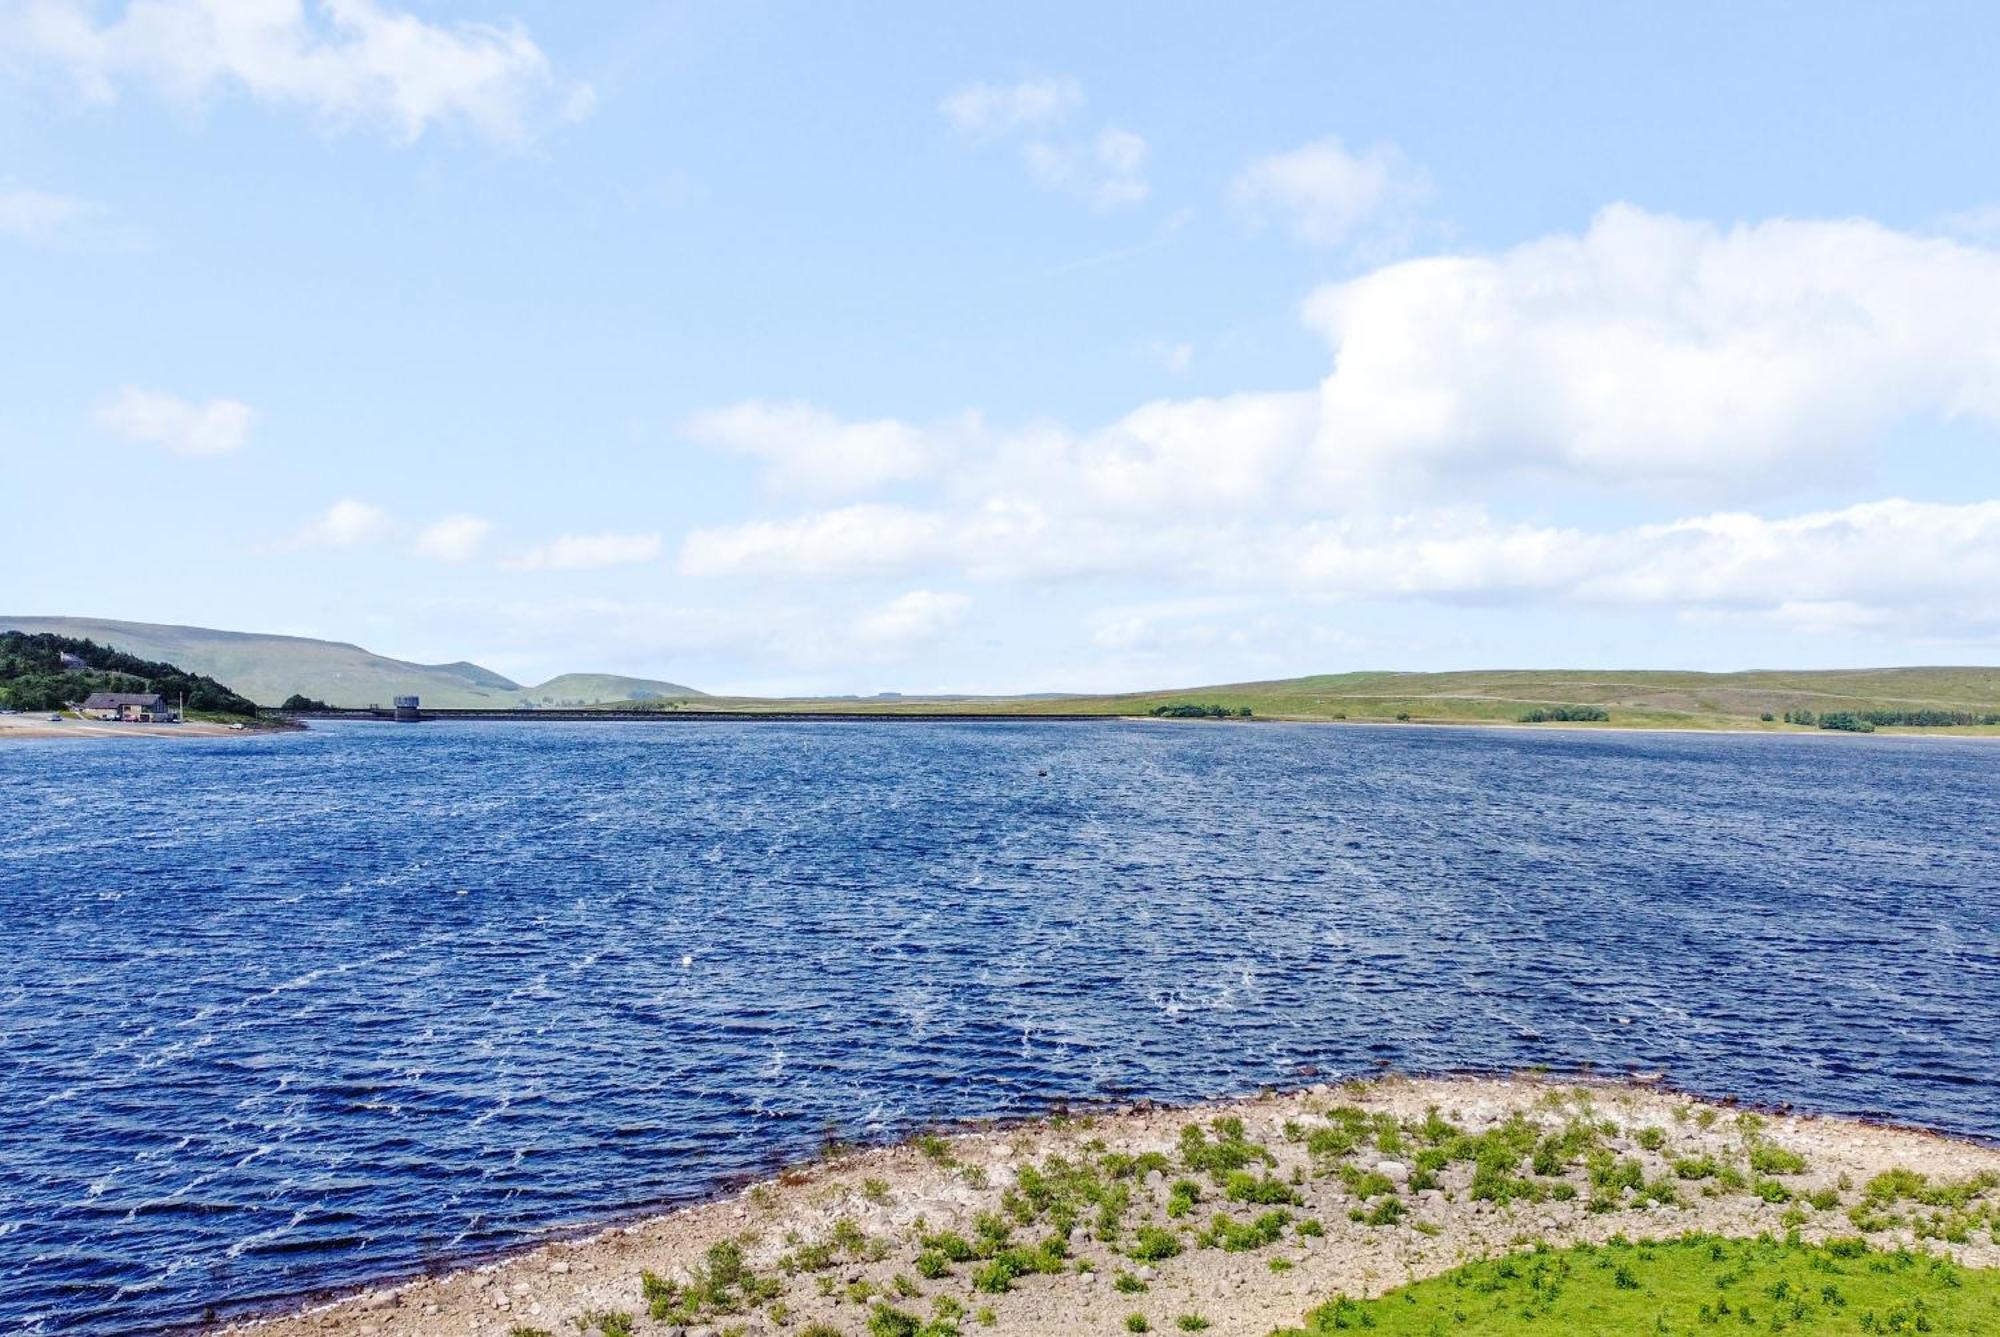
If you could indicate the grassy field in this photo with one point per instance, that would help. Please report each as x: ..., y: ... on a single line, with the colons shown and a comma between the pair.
x: 1694, y: 1285
x: 1671, y: 700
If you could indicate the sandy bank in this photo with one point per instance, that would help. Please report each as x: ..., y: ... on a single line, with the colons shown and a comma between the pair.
x: 828, y: 1243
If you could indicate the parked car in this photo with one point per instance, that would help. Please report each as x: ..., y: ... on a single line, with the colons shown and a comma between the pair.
x: 55, y: 719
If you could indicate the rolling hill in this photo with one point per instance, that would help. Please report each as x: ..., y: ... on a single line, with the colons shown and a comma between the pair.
x: 1632, y: 698
x: 267, y: 669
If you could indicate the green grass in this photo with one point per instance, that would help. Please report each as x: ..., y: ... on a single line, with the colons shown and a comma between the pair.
x: 1694, y: 1285
x: 1634, y: 698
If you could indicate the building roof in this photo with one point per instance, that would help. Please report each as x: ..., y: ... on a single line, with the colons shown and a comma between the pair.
x: 114, y: 700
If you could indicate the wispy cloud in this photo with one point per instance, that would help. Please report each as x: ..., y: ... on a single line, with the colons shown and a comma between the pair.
x: 1324, y: 195
x: 1107, y: 170
x: 584, y: 552
x: 1001, y: 109
x: 41, y: 216
x: 346, y: 61
x: 213, y: 428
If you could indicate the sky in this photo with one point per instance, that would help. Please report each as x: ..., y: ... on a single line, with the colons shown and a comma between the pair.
x: 800, y: 349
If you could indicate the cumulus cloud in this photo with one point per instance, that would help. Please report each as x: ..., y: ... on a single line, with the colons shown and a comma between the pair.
x: 1647, y: 353
x: 585, y: 552
x: 809, y: 449
x: 214, y: 428
x: 1323, y: 194
x: 1652, y: 349
x: 345, y: 524
x: 1000, y: 109
x: 41, y: 216
x: 346, y: 60
x: 454, y: 538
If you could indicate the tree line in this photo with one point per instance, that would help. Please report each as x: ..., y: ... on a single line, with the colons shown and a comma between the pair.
x: 1189, y: 711
x: 34, y: 676
x: 1867, y: 721
x: 1565, y: 715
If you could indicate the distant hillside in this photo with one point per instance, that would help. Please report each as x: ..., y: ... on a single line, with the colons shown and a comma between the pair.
x: 586, y: 689
x: 268, y: 669
x: 1630, y: 698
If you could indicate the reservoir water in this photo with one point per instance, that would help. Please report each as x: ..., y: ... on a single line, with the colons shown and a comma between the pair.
x: 289, y: 1013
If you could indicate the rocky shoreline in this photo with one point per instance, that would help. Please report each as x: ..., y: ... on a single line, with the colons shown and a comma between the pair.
x: 1230, y: 1218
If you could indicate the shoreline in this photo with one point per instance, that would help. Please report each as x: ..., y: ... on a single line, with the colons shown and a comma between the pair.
x: 38, y: 725
x: 834, y: 1238
x: 582, y: 716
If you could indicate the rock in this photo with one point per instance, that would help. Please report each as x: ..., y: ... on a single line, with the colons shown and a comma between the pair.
x: 1154, y: 1179
x: 1148, y: 1272
x: 559, y: 1268
x: 1394, y: 1171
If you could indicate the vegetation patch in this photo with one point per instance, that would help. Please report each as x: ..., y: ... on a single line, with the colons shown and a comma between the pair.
x: 1565, y: 715
x: 1695, y: 1284
x: 40, y: 671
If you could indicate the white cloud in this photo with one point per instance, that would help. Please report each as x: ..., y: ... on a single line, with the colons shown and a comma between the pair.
x: 1324, y: 194
x: 584, y: 552
x: 1000, y: 109
x: 214, y: 428
x: 345, y: 524
x: 346, y: 60
x: 1108, y: 172
x: 1649, y: 352
x: 1654, y: 350
x: 39, y: 216
x: 455, y: 538
x: 852, y: 540
x: 809, y: 449
x: 910, y: 619
x: 1895, y: 557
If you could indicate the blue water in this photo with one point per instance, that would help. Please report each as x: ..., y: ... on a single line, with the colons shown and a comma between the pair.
x: 289, y: 1013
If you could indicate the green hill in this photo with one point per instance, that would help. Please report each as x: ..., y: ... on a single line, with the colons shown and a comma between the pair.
x: 268, y: 669
x: 1630, y: 698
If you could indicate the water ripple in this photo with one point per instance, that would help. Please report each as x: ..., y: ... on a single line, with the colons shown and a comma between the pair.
x: 289, y: 1013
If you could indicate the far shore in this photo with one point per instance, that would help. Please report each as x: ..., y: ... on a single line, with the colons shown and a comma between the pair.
x: 37, y: 724
x: 615, y: 715
x: 828, y: 1245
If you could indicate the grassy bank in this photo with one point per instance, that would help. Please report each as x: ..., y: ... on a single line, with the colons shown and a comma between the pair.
x: 1689, y: 1285
x: 1668, y: 700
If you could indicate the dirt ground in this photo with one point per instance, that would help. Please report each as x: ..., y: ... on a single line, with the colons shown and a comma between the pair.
x: 830, y: 1243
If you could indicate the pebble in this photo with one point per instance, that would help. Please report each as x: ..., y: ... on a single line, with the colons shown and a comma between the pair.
x: 1394, y: 1171
x: 560, y: 1269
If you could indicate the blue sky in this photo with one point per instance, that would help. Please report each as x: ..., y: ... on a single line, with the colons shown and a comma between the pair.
x: 805, y: 348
